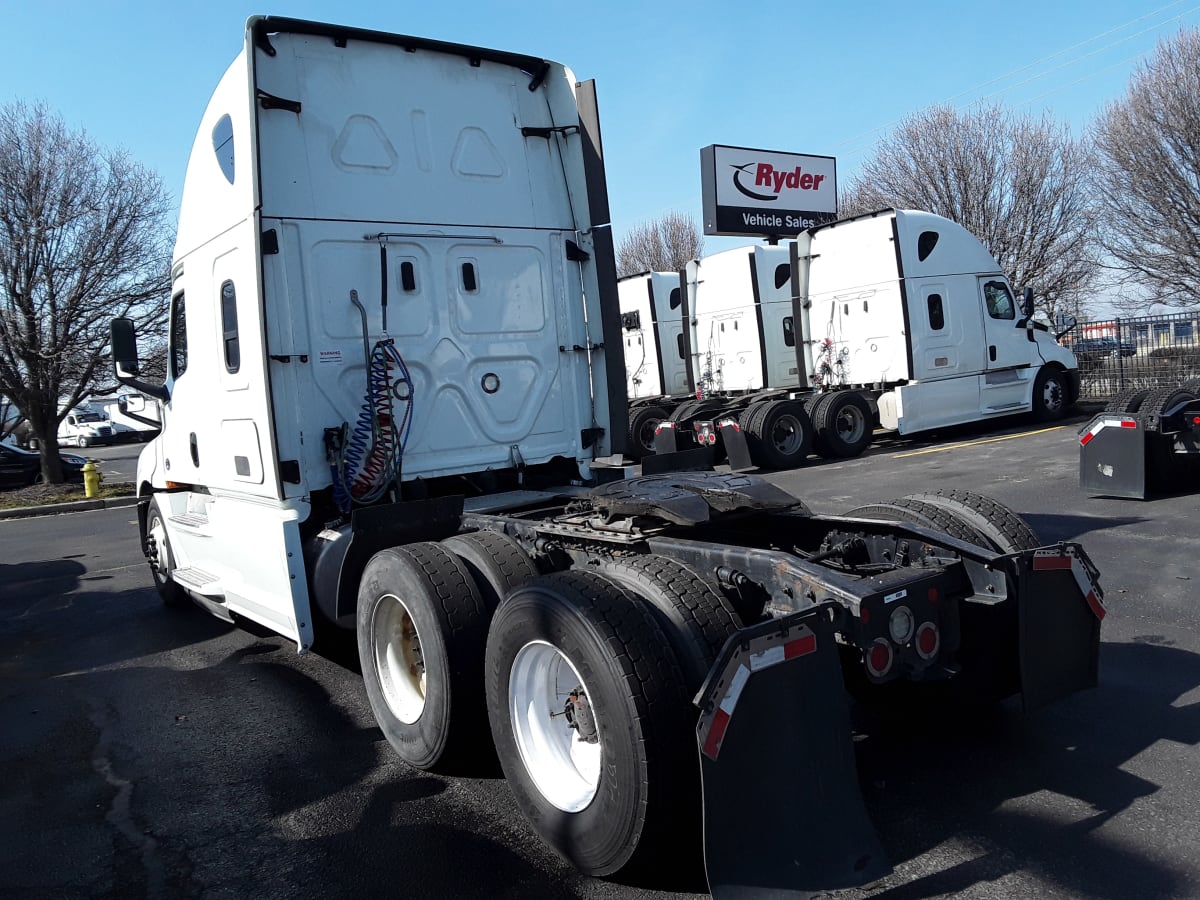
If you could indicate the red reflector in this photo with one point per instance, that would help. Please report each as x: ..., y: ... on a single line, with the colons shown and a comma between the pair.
x: 879, y: 658
x: 1128, y: 423
x: 1083, y: 441
x: 713, y: 743
x: 864, y: 616
x: 1196, y: 420
x: 800, y: 647
x: 928, y: 640
x: 1042, y: 563
x: 933, y: 595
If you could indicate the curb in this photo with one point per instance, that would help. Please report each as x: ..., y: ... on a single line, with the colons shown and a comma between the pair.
x: 50, y: 509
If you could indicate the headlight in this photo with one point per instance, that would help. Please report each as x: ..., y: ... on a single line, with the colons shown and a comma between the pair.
x: 74, y: 460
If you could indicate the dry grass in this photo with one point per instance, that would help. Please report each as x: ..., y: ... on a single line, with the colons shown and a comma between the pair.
x: 42, y: 494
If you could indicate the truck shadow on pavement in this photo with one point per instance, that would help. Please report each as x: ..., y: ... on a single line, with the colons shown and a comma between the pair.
x: 1034, y: 793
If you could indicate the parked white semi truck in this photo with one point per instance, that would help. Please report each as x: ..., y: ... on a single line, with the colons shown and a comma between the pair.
x: 898, y: 318
x: 394, y: 370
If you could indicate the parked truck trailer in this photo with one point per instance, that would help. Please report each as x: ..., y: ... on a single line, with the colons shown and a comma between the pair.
x: 897, y: 319
x: 394, y: 374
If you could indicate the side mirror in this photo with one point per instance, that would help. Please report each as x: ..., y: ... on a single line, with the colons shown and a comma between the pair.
x: 1063, y: 324
x: 123, y: 337
x: 124, y: 349
x: 1027, y: 303
x: 128, y: 403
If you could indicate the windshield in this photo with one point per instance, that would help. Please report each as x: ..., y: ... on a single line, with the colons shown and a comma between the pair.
x: 89, y: 417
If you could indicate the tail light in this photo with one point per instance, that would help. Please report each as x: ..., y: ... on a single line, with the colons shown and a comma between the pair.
x: 928, y: 640
x: 879, y: 658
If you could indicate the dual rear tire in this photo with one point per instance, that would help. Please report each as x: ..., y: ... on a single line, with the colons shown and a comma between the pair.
x: 587, y: 677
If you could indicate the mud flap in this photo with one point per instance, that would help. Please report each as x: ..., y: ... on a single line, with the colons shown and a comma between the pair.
x: 1060, y: 611
x: 1112, y: 457
x: 783, y: 812
x: 737, y: 451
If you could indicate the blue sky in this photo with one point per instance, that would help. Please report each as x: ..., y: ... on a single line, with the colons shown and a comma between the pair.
x: 822, y: 78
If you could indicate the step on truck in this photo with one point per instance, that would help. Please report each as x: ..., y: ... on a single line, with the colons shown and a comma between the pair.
x: 899, y: 319
x: 394, y: 378
x: 1146, y: 441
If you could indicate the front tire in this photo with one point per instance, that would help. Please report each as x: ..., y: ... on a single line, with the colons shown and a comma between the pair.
x: 161, y: 557
x: 591, y: 722
x: 422, y: 628
x: 1051, y: 395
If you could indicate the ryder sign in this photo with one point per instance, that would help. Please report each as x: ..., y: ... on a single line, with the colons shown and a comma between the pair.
x: 765, y: 193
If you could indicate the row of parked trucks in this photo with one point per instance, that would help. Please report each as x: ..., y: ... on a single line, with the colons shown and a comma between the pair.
x: 898, y: 319
x: 395, y: 378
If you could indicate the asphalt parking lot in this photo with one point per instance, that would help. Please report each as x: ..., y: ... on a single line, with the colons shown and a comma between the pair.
x: 152, y: 753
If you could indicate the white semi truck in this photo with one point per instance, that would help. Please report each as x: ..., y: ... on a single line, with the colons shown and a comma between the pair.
x: 394, y: 373
x: 898, y: 318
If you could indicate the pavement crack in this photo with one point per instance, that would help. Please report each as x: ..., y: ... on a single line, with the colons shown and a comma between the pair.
x: 120, y: 812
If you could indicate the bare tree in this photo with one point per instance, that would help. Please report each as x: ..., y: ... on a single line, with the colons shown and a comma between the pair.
x: 1019, y: 184
x: 664, y: 245
x: 1149, y: 148
x: 83, y: 238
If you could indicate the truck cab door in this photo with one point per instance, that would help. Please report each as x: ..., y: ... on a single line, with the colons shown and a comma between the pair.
x: 1006, y: 345
x: 1011, y: 358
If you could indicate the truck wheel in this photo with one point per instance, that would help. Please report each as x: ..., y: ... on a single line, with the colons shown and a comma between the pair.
x: 1128, y: 401
x: 779, y: 433
x: 591, y: 722
x: 697, y: 619
x: 1163, y: 399
x: 496, y: 562
x: 1165, y: 471
x: 843, y: 424
x: 642, y: 424
x: 162, y: 559
x: 422, y: 629
x: 1004, y: 529
x: 945, y: 520
x: 1050, y: 395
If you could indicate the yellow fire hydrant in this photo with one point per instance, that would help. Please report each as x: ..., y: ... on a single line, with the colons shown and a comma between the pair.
x: 91, y: 479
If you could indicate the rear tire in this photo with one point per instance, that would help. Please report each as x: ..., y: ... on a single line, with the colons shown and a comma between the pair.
x: 1005, y: 530
x: 1166, y: 471
x: 779, y: 433
x: 607, y: 792
x: 843, y: 424
x: 643, y: 422
x: 496, y: 562
x: 162, y: 559
x: 1127, y: 402
x: 422, y: 629
x: 944, y: 519
x: 696, y: 618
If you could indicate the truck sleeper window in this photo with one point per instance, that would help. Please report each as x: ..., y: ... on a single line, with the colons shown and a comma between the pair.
x: 178, y: 337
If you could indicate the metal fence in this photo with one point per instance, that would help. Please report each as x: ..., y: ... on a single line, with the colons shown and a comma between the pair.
x: 1146, y: 351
